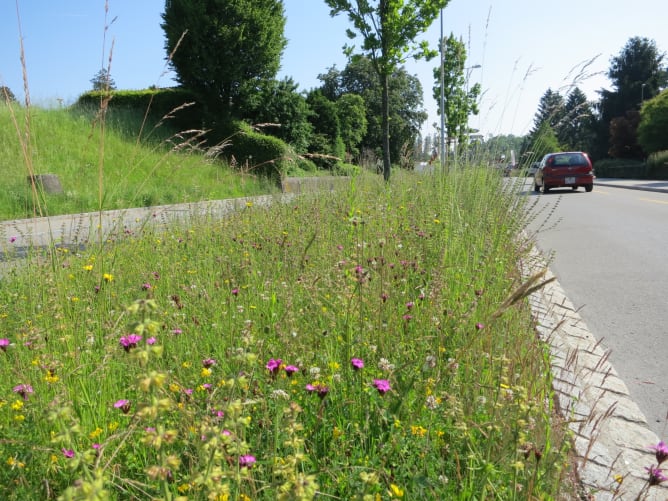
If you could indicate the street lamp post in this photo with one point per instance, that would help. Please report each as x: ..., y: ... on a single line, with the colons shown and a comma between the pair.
x: 442, y: 103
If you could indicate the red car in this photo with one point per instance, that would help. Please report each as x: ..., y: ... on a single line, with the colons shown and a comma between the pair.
x: 570, y: 169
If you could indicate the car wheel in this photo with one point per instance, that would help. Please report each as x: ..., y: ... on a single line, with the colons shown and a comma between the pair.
x: 575, y: 188
x: 589, y: 187
x: 546, y: 188
x: 536, y: 188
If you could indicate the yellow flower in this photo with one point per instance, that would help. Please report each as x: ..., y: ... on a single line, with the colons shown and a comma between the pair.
x: 88, y: 267
x: 95, y: 433
x: 206, y: 372
x: 419, y: 431
x: 249, y: 204
x: 19, y: 418
x: 113, y: 426
x: 397, y: 491
x: 51, y: 377
x: 17, y: 405
x: 108, y: 277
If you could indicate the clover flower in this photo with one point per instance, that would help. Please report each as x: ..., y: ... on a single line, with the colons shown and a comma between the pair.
x: 382, y: 385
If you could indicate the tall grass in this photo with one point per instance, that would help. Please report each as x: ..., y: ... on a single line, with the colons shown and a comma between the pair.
x: 142, y: 164
x: 354, y: 345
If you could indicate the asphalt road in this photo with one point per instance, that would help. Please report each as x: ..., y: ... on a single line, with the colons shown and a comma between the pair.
x: 609, y: 250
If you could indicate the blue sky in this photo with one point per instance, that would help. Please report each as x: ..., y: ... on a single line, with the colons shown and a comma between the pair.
x: 524, y: 47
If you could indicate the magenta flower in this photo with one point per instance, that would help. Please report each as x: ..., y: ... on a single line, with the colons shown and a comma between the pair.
x: 382, y: 385
x: 656, y: 476
x: 146, y: 286
x: 661, y: 451
x: 130, y: 341
x: 246, y: 461
x: 291, y: 369
x: 274, y: 365
x: 357, y: 363
x: 409, y: 305
x: 24, y: 390
x: 68, y: 453
x: 123, y: 405
x: 12, y: 240
x: 151, y: 341
x: 320, y: 389
x: 208, y: 362
x: 479, y: 326
x: 235, y: 292
x: 177, y: 331
x: 4, y: 342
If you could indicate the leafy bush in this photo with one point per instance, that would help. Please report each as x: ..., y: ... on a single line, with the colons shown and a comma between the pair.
x: 344, y: 169
x: 657, y: 165
x: 264, y: 155
x: 621, y: 168
x: 176, y: 104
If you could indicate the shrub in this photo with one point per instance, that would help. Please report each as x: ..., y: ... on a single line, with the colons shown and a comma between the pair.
x: 657, y: 165
x: 264, y: 155
x: 622, y: 168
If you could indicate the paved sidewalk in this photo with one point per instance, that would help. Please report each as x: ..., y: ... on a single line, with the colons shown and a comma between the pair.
x: 633, y: 184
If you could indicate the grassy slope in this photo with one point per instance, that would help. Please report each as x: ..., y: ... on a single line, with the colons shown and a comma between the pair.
x: 130, y: 172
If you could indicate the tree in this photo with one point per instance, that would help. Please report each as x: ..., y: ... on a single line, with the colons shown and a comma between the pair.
x: 103, y: 81
x: 459, y: 101
x: 6, y: 95
x: 352, y: 116
x: 405, y: 97
x: 389, y: 29
x: 637, y: 73
x: 278, y: 103
x: 624, y: 136
x: 652, y: 135
x: 550, y: 113
x: 222, y: 50
x: 576, y: 130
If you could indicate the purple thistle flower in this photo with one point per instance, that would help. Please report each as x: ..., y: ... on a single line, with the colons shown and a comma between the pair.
x: 246, y: 461
x: 479, y: 326
x: 357, y: 363
x: 235, y: 292
x: 409, y: 305
x: 68, y: 453
x: 291, y: 369
x: 4, y: 342
x: 656, y: 476
x: 382, y: 385
x: 146, y: 286
x: 177, y: 331
x: 12, y: 240
x: 151, y: 341
x: 661, y: 451
x: 24, y: 390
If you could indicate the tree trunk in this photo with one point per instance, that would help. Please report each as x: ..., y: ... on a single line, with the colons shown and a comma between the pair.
x: 386, y: 127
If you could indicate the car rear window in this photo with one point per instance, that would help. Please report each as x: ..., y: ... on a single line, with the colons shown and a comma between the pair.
x: 568, y: 160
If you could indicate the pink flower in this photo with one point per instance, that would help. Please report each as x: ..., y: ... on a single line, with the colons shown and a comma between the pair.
x: 68, y: 453
x: 12, y: 240
x: 246, y: 461
x: 130, y: 341
x: 235, y: 292
x: 382, y: 385
x: 208, y: 362
x: 274, y: 365
x: 656, y: 475
x: 123, y: 405
x: 23, y: 389
x: 291, y: 369
x: 4, y: 342
x: 320, y: 389
x: 357, y: 363
x: 661, y: 451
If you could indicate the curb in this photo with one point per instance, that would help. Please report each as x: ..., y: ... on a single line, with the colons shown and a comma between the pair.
x: 611, y: 438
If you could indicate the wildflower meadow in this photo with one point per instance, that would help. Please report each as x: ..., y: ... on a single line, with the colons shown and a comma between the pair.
x: 349, y: 345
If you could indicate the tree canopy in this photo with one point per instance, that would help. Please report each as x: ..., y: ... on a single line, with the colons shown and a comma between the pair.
x: 222, y: 50
x: 653, y: 125
x: 388, y: 29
